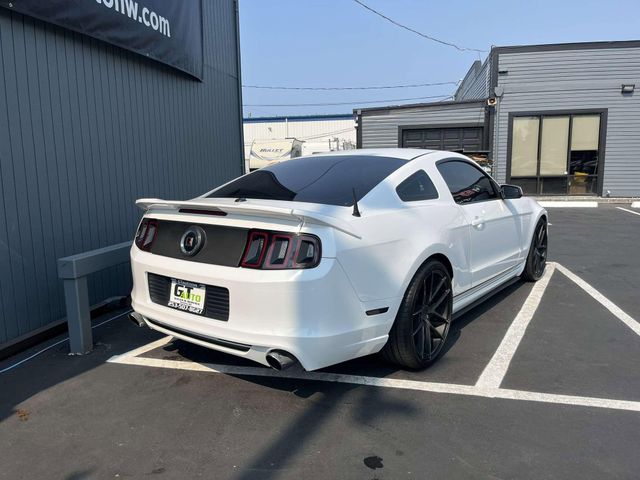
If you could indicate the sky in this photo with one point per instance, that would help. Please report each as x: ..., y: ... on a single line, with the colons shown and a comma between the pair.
x: 338, y: 43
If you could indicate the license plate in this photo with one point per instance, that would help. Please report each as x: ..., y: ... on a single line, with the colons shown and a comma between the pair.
x: 187, y: 296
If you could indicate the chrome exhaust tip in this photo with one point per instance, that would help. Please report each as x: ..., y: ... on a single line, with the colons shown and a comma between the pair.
x: 137, y: 319
x: 280, y: 360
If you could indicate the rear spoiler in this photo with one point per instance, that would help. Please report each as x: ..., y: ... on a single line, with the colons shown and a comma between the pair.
x: 249, y: 209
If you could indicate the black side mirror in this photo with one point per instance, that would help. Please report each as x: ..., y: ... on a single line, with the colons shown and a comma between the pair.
x: 510, y: 191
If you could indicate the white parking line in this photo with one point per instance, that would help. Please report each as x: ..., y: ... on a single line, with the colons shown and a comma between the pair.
x: 601, y: 299
x: 143, y: 349
x: 627, y: 210
x: 568, y: 400
x: 432, y: 387
x: 488, y: 385
x: 567, y: 204
x: 497, y: 367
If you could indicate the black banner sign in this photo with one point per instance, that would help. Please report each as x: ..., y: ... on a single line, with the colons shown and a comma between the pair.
x: 169, y: 31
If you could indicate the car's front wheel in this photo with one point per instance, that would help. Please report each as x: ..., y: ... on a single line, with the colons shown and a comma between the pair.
x: 420, y: 330
x: 537, y: 258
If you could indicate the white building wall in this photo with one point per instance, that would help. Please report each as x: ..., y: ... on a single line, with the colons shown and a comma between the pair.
x: 314, y: 132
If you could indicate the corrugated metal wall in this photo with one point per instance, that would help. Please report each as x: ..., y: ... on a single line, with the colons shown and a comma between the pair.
x: 380, y: 127
x: 577, y: 79
x: 475, y: 86
x: 467, y: 81
x: 85, y: 129
x: 476, y: 83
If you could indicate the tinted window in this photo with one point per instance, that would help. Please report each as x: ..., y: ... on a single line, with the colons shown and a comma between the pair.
x: 324, y: 179
x: 467, y: 183
x: 417, y: 187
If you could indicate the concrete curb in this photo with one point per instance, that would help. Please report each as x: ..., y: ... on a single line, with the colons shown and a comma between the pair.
x: 567, y: 204
x: 605, y: 200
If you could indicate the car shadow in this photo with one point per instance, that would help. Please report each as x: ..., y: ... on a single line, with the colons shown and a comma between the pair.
x: 321, y: 403
x: 55, y: 365
x: 465, y: 319
x: 324, y: 399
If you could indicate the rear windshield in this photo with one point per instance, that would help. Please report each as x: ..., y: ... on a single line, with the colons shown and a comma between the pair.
x: 329, y: 180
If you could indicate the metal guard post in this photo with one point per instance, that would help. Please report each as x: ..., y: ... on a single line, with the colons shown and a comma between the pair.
x: 73, y: 271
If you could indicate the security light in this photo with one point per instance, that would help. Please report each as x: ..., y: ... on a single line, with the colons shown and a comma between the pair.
x: 628, y: 87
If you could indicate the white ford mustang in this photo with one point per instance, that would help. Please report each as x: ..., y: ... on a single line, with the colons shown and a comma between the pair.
x: 327, y: 258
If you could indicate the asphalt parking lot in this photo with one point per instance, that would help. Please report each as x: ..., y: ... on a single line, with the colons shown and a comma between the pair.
x: 541, y: 381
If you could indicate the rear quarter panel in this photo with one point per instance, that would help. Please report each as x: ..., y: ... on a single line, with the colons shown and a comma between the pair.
x: 396, y: 240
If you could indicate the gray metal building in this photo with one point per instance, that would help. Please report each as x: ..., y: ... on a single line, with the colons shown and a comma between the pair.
x: 86, y: 128
x: 558, y: 119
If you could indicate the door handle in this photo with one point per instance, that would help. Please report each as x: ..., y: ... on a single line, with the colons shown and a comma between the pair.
x: 477, y: 222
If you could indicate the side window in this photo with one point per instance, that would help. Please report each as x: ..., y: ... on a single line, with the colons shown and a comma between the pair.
x: 467, y: 183
x: 417, y: 187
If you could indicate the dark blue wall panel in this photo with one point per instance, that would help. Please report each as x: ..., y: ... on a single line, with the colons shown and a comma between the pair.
x: 86, y: 128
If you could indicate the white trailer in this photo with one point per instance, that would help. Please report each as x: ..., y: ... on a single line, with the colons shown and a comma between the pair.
x: 320, y: 133
x: 265, y: 152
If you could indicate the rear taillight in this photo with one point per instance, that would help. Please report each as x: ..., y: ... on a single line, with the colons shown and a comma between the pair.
x: 146, y: 233
x: 280, y: 250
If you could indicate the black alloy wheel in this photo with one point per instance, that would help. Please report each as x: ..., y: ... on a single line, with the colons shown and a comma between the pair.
x: 420, y: 331
x: 430, y: 317
x: 537, y: 258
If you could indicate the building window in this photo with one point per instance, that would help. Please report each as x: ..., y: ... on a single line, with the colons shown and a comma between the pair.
x: 524, y: 153
x: 556, y: 154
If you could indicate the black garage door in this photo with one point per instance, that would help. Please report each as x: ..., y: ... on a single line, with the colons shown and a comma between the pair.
x: 464, y: 138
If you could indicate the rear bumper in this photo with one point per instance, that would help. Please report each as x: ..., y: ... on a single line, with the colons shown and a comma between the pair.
x: 313, y: 314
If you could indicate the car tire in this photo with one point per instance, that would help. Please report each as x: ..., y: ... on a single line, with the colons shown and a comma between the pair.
x: 537, y: 257
x: 420, y: 330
